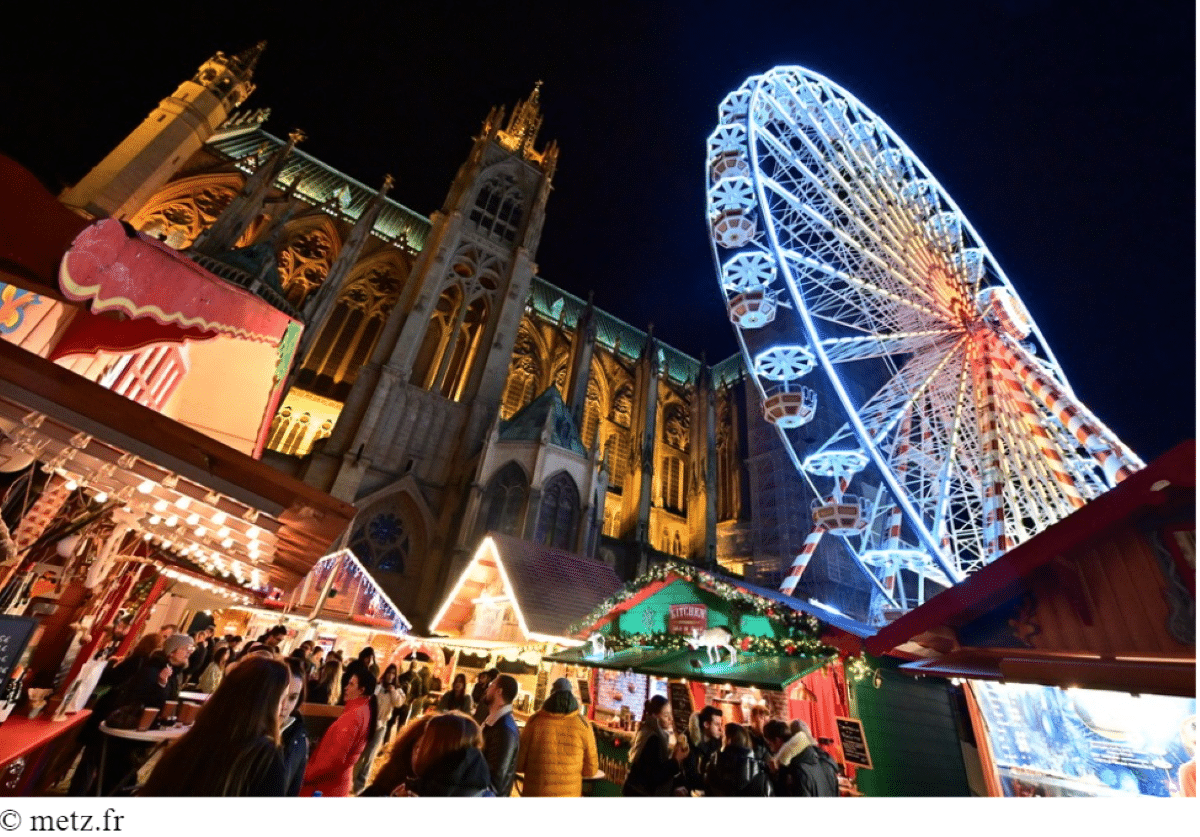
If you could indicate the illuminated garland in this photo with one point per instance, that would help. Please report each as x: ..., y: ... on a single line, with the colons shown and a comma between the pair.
x: 857, y: 668
x: 788, y: 646
x: 797, y: 631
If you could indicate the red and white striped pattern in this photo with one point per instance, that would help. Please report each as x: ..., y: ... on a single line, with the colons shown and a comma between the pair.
x: 995, y: 537
x: 1074, y: 416
x: 806, y: 553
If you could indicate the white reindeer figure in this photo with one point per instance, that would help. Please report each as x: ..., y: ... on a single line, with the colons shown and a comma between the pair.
x: 713, y: 640
x: 599, y: 649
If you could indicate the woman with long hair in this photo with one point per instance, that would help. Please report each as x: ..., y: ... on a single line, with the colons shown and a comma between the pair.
x: 457, y: 698
x: 233, y: 748
x: 448, y: 760
x: 331, y: 768
x: 321, y: 690
x: 293, y: 739
x: 212, y: 674
x: 397, y: 772
x: 653, y: 759
x: 387, y: 698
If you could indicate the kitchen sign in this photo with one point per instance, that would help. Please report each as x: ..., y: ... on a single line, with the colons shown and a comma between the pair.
x: 684, y: 618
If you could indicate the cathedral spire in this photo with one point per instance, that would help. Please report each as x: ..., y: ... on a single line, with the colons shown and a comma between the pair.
x: 224, y: 234
x: 522, y: 129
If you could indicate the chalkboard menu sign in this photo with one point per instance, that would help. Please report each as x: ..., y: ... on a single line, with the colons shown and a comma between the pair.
x: 585, y: 692
x: 14, y: 636
x: 854, y: 742
x: 681, y: 706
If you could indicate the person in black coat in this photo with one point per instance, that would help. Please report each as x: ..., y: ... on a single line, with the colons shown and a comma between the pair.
x: 293, y: 739
x: 145, y: 689
x: 737, y: 771
x: 653, y: 766
x: 501, y: 738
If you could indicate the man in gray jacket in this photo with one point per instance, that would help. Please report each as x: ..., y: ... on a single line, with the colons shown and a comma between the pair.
x: 500, y: 735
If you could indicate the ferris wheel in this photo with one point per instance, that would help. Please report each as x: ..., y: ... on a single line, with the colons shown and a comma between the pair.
x: 843, y: 261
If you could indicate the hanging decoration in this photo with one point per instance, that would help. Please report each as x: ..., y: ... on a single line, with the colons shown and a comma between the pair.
x: 858, y: 669
x: 741, y: 601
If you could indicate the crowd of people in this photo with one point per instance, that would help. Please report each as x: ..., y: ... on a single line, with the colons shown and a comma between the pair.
x: 249, y: 738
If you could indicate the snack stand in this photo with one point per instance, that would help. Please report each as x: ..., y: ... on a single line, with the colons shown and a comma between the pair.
x: 782, y: 661
x: 512, y: 605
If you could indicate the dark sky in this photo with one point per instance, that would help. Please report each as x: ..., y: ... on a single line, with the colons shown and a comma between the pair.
x: 1064, y: 131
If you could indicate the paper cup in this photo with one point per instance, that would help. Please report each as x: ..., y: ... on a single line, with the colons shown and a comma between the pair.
x: 148, y: 716
x: 169, y: 709
x: 188, y: 713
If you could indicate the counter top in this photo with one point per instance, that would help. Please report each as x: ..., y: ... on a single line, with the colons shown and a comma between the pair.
x: 19, y: 736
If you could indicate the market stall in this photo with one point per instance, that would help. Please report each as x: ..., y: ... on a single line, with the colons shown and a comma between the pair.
x: 512, y: 604
x: 701, y: 639
x: 1075, y: 651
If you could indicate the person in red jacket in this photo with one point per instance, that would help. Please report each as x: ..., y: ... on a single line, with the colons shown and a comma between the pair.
x: 330, y: 771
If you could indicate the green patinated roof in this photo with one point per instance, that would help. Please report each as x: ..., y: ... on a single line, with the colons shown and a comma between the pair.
x: 319, y: 183
x: 547, y: 410
x: 409, y: 230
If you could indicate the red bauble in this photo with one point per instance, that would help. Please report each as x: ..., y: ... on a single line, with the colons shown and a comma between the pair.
x: 791, y: 649
x: 746, y: 644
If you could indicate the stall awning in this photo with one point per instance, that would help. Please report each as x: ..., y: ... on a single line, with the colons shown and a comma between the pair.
x: 342, y: 591
x: 1097, y: 600
x: 631, y: 658
x: 275, y: 523
x: 760, y: 672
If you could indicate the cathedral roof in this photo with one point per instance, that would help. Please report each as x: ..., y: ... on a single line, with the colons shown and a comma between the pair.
x: 547, y: 410
x: 321, y: 184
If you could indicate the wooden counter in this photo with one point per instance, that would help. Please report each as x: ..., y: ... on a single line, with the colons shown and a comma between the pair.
x: 31, y: 752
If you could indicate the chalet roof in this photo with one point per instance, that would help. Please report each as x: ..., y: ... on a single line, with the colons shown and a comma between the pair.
x: 550, y: 588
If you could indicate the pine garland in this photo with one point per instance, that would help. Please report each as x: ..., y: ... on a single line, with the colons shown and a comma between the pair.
x: 797, y: 632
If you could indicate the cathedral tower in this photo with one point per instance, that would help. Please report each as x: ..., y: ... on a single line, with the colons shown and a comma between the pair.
x: 418, y: 414
x: 174, y: 131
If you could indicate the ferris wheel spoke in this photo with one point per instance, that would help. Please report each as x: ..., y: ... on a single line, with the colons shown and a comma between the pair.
x: 825, y: 280
x: 850, y: 252
x: 912, y: 383
x: 850, y: 349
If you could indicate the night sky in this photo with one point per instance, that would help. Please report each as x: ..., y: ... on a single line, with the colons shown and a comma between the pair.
x: 1064, y: 131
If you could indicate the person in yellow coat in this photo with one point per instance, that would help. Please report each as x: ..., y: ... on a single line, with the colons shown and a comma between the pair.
x: 558, y: 747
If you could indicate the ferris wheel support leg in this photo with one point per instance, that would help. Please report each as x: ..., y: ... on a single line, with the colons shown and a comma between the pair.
x: 810, y: 546
x: 1114, y: 457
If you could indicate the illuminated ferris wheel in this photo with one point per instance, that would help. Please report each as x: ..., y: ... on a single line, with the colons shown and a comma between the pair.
x: 954, y: 434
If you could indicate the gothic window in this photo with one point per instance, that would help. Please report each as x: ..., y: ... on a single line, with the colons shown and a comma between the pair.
x: 503, y: 507
x: 304, y: 260
x: 523, y: 375
x: 497, y: 210
x: 622, y: 405
x: 676, y: 426
x: 184, y: 209
x: 451, y: 342
x: 616, y: 459
x: 381, y: 542
x: 559, y: 513
x: 348, y: 337
x: 671, y: 482
x: 591, y: 419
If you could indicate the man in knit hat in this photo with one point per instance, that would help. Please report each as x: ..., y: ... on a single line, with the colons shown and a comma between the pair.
x: 178, y: 648
x: 558, y: 747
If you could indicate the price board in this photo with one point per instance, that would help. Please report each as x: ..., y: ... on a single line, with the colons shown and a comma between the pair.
x: 854, y: 742
x: 15, y: 632
x: 681, y: 705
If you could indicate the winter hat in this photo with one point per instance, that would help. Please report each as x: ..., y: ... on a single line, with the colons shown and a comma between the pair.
x: 562, y: 684
x: 175, y: 642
